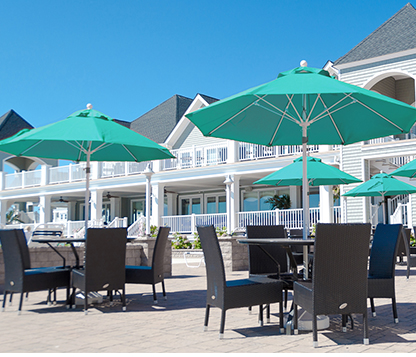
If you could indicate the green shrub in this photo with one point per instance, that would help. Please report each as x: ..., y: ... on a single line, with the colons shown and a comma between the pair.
x: 197, y: 242
x: 221, y: 232
x: 180, y: 242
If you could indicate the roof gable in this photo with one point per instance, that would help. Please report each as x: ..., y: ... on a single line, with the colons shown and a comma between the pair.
x: 158, y: 123
x: 395, y: 35
x: 11, y: 123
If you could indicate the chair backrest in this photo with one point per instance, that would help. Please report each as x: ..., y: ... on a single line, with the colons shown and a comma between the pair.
x: 13, y: 260
x: 296, y: 233
x: 401, y: 249
x: 214, y: 263
x: 259, y: 261
x: 383, y: 250
x: 105, y: 258
x: 159, y: 250
x: 24, y: 249
x: 339, y: 274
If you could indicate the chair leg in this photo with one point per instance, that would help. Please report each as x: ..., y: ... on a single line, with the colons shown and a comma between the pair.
x: 315, y: 330
x: 20, y: 304
x: 344, y: 323
x: 394, y: 306
x: 27, y: 295
x: 268, y: 313
x: 154, y: 294
x: 222, y: 325
x: 282, y: 330
x: 4, y: 300
x: 163, y: 290
x: 286, y: 297
x: 54, y: 296
x: 249, y: 309
x: 366, y: 340
x: 261, y: 315
x: 206, y: 317
x: 48, y: 298
x: 295, y: 319
x: 10, y: 299
x: 123, y: 298
x: 373, y: 309
x: 85, y: 302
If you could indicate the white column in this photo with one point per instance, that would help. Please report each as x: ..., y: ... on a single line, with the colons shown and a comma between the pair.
x: 96, y: 204
x: 4, y: 206
x: 294, y: 196
x: 235, y: 201
x: 158, y: 197
x: 44, y: 209
x: 71, y: 211
x: 44, y: 172
x: 148, y: 172
x: 326, y: 204
x: 232, y: 155
x: 115, y: 205
x: 172, y: 203
x: 228, y: 182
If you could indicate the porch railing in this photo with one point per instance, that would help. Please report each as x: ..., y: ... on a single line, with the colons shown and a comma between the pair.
x: 290, y: 218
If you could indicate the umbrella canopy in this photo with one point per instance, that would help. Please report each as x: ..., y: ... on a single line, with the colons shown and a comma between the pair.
x: 408, y: 170
x: 86, y: 135
x: 301, y: 106
x: 382, y: 185
x: 319, y: 174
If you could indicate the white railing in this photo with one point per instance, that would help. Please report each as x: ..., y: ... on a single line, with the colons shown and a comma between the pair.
x: 114, y: 169
x: 118, y: 223
x: 197, y: 156
x: 391, y: 138
x: 68, y: 173
x: 290, y: 218
x: 138, y: 228
x: 14, y: 180
x: 400, y: 215
x: 249, y: 151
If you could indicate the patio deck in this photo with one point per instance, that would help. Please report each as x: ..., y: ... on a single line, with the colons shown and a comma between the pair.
x: 175, y: 325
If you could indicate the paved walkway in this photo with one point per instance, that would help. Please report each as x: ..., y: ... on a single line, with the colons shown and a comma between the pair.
x: 175, y: 325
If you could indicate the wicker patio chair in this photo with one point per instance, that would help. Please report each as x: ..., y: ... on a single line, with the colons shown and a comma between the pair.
x: 339, y: 275
x: 259, y: 261
x: 401, y: 249
x: 155, y: 273
x: 20, y: 277
x: 104, y: 265
x: 236, y: 293
x: 382, y: 265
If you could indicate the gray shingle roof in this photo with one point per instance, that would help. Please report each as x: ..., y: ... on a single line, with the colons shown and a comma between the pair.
x: 208, y: 99
x: 11, y: 123
x: 158, y: 123
x: 395, y: 35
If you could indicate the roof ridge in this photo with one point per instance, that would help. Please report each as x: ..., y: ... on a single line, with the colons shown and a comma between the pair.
x: 382, y: 26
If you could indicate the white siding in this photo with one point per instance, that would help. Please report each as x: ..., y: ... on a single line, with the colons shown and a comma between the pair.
x: 193, y: 136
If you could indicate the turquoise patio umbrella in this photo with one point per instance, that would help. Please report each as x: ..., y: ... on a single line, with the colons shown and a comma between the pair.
x: 319, y: 174
x: 304, y: 106
x: 407, y: 170
x: 86, y: 135
x: 382, y: 185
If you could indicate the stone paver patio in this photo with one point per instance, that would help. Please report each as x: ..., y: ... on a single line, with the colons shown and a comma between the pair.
x: 175, y: 325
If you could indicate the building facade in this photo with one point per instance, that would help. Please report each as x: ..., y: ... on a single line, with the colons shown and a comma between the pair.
x: 211, y: 180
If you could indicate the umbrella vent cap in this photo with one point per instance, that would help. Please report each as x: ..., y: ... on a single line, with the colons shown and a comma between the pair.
x: 89, y: 106
x: 303, y: 63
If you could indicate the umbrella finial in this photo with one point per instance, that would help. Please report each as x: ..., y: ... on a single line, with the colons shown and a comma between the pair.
x: 303, y: 63
x: 89, y: 106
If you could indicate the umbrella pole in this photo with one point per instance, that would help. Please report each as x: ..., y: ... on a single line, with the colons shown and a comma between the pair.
x: 305, y: 188
x: 87, y: 191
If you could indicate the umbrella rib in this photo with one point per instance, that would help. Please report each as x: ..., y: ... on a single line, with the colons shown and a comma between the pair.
x: 31, y: 147
x: 135, y: 158
x: 377, y: 113
x: 280, y: 111
x: 242, y: 110
x: 332, y: 120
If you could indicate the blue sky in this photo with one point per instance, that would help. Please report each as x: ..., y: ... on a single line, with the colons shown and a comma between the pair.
x: 127, y: 56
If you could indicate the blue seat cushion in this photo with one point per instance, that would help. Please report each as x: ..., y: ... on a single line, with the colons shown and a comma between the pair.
x: 240, y: 282
x: 138, y: 267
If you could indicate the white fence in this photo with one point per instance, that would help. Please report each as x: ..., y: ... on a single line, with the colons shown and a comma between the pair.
x: 249, y: 151
x: 290, y: 218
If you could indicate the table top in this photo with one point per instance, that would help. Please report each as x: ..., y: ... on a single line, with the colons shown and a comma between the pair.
x: 280, y: 241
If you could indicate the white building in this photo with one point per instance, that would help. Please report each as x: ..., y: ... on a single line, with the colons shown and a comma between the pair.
x: 211, y: 180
